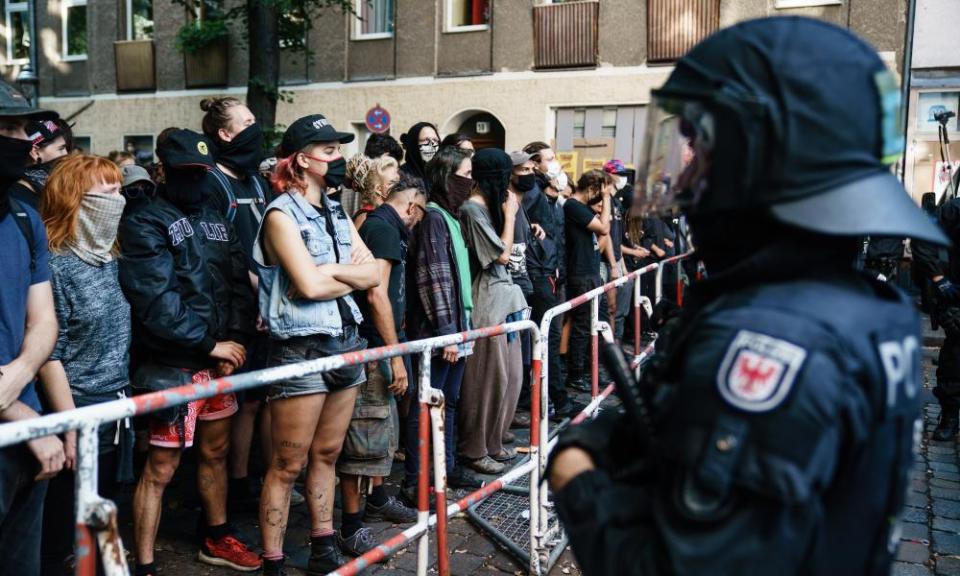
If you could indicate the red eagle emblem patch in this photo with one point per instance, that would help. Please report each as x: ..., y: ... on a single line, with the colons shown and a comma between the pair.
x: 758, y: 371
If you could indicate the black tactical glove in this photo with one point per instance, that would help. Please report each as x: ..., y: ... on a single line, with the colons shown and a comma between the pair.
x: 949, y: 319
x: 610, y: 440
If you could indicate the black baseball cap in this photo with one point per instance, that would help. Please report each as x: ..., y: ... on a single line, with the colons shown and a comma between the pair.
x: 13, y: 103
x: 309, y: 129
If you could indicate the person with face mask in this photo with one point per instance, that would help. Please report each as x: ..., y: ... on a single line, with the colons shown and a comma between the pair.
x: 238, y: 151
x: 441, y: 300
x: 372, y: 178
x: 421, y: 143
x: 370, y: 444
x: 28, y: 333
x: 82, y: 207
x: 310, y: 259
x: 494, y: 373
x: 52, y: 140
x: 183, y: 271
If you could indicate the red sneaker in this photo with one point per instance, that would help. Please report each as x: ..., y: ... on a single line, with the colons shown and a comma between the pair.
x: 229, y: 552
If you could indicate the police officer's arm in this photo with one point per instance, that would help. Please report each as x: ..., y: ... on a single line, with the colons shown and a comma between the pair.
x: 149, y: 281
x: 739, y: 489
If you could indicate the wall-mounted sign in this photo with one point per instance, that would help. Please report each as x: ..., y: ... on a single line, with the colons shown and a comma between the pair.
x: 378, y: 119
x: 483, y: 127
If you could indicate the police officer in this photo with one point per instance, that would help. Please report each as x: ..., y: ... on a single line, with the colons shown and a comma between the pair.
x: 777, y: 422
x: 943, y: 274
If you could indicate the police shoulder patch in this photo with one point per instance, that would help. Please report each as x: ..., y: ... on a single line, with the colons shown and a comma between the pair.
x: 758, y: 371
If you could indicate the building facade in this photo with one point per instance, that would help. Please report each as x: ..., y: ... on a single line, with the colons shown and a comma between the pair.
x: 507, y: 72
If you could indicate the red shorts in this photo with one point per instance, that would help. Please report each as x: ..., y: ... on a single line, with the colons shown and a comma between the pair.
x: 214, y: 408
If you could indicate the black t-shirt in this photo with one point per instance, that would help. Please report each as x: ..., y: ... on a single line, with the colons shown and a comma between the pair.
x: 385, y: 241
x: 521, y: 252
x: 346, y: 315
x: 616, y: 227
x: 251, y: 205
x: 583, y: 250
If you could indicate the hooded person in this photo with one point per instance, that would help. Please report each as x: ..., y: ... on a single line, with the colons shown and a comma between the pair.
x: 421, y: 143
x: 183, y: 271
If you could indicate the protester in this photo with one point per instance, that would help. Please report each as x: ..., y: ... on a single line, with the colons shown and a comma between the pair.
x: 372, y: 178
x: 123, y: 158
x: 442, y: 300
x: 52, y: 140
x: 421, y: 143
x: 458, y: 140
x: 238, y: 151
x: 182, y: 269
x: 374, y: 429
x: 583, y: 265
x: 81, y: 208
x: 137, y: 187
x: 383, y: 145
x: 310, y: 259
x: 494, y: 373
x: 28, y: 333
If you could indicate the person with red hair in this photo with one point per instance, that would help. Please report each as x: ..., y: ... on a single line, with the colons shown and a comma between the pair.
x: 81, y: 209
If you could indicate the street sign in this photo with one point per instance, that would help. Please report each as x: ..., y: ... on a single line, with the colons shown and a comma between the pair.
x: 378, y: 119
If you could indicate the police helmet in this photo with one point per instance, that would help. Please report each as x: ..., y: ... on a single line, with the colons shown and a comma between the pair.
x: 789, y: 115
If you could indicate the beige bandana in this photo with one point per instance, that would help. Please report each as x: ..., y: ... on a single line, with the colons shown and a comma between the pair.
x: 97, y: 226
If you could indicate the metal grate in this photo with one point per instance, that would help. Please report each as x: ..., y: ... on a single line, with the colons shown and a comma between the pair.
x: 674, y: 26
x: 565, y: 35
x: 508, y: 514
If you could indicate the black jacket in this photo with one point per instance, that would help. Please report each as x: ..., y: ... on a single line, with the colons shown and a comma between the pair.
x: 183, y: 269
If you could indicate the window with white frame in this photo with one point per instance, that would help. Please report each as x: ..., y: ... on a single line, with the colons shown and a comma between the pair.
x: 374, y: 19
x: 467, y: 15
x: 74, y: 33
x: 139, y: 19
x: 18, y: 33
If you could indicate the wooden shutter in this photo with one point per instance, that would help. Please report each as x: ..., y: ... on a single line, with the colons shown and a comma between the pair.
x: 674, y: 26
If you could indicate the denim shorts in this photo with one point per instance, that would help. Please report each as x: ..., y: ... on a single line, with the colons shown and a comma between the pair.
x: 304, y: 348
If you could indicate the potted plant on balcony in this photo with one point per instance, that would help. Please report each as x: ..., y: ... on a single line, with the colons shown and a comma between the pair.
x: 204, y: 46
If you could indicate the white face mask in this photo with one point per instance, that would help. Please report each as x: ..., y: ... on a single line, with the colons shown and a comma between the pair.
x: 621, y: 182
x: 562, y: 181
x: 428, y: 151
x: 553, y: 170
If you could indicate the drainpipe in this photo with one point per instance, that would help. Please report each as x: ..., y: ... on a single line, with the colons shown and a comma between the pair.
x: 905, y: 82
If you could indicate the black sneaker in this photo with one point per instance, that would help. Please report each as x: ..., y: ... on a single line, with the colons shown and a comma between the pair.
x: 392, y: 511
x: 325, y: 557
x: 358, y: 544
x: 273, y: 568
x: 580, y: 384
x: 463, y: 478
x: 570, y: 409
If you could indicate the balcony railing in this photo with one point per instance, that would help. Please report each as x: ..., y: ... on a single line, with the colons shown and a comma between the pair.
x: 674, y: 26
x: 565, y: 35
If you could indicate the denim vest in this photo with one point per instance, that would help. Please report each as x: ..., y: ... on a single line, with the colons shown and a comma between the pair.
x: 288, y: 318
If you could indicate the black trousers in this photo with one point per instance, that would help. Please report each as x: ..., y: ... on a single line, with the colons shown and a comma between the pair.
x: 578, y: 350
x: 947, y: 389
x: 546, y: 295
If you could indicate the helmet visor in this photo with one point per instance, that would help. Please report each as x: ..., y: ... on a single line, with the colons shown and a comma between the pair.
x: 677, y: 153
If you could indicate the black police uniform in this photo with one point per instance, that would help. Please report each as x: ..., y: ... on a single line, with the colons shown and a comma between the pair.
x: 780, y: 398
x: 773, y: 432
x: 929, y: 263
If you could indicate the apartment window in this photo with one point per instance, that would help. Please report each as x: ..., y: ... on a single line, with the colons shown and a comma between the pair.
x: 467, y: 15
x: 200, y: 10
x: 375, y: 19
x: 18, y: 33
x: 74, y: 29
x: 675, y: 26
x: 83, y: 144
x: 579, y: 123
x: 141, y: 146
x: 608, y: 127
x: 139, y: 19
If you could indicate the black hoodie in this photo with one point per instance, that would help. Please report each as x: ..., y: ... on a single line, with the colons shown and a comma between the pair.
x: 413, y: 162
x: 182, y: 267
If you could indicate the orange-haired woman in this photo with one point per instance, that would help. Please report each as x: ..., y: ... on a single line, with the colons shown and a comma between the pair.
x: 81, y: 208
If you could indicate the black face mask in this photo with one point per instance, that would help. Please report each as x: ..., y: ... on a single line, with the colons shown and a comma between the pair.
x: 336, y: 172
x: 244, y: 152
x: 14, y: 153
x: 525, y: 182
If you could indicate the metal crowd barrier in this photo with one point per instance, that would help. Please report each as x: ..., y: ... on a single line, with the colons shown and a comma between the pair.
x: 96, y: 517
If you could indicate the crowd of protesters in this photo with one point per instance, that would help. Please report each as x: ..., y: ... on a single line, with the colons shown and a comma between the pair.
x: 125, y: 278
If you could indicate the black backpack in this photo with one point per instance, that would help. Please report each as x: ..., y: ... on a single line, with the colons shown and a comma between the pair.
x: 22, y: 219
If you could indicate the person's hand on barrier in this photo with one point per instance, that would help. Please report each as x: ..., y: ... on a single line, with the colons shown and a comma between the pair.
x: 948, y: 290
x: 13, y: 378
x: 399, y: 385
x: 225, y: 368
x: 538, y: 231
x: 70, y: 450
x: 668, y: 243
x: 229, y: 351
x: 615, y: 272
x: 49, y: 453
x: 568, y: 465
x: 450, y: 353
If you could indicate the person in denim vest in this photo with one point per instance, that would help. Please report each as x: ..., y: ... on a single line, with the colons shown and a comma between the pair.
x: 310, y: 259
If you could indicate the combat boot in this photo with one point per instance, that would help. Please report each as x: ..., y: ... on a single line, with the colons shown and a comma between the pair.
x: 948, y: 426
x: 325, y: 556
